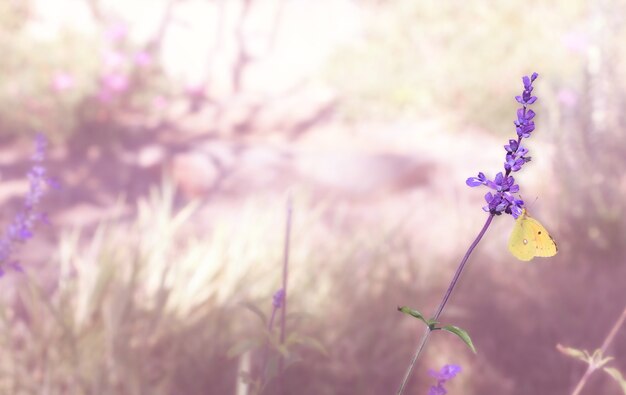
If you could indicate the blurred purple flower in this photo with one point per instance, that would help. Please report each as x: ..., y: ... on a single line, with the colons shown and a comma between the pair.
x: 503, y: 184
x: 437, y: 390
x: 142, y: 59
x: 115, y: 82
x: 113, y: 59
x: 22, y: 227
x: 278, y: 299
x: 116, y: 32
x: 448, y: 372
x: 62, y: 81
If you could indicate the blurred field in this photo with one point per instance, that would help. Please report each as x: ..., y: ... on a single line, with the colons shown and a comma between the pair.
x: 180, y: 127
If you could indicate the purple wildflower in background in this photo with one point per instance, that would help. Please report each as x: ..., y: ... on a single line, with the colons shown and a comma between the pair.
x: 503, y: 201
x: 445, y: 374
x: 278, y: 298
x: 22, y: 227
x: 62, y: 81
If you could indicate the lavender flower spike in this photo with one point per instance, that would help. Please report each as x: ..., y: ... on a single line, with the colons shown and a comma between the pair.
x: 503, y: 201
x: 499, y: 200
x: 22, y: 227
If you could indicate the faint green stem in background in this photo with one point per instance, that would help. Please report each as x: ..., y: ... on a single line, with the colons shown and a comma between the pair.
x: 266, y: 348
x: 605, y: 345
x: 446, y: 296
x: 283, y: 310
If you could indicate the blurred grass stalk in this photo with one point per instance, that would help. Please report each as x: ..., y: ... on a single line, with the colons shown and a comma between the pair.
x: 605, y: 345
x: 135, y: 309
x: 285, y: 279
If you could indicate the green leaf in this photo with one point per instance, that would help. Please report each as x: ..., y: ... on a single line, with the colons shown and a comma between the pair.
x: 256, y: 312
x: 307, y: 341
x: 414, y: 313
x: 574, y: 353
x: 602, y: 361
x: 617, y: 375
x: 599, y: 360
x: 462, y: 334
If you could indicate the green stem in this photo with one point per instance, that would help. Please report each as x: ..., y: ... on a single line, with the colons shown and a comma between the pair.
x: 443, y: 303
x: 283, y: 310
x: 605, y: 345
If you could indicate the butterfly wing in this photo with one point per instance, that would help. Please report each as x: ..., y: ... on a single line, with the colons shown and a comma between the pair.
x: 530, y: 239
x: 520, y: 243
x: 545, y: 245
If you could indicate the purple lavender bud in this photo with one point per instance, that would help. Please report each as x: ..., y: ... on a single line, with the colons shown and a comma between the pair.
x: 512, y: 146
x: 278, y: 298
x: 503, y: 183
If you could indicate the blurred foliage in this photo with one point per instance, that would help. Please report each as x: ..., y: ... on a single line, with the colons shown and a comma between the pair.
x: 591, y: 196
x: 56, y: 81
x: 261, y: 343
x: 420, y: 58
x: 131, y: 312
x: 595, y: 361
x: 146, y: 305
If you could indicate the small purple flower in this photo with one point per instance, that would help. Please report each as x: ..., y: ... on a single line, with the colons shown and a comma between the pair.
x: 503, y: 183
x: 278, y: 298
x: 515, y: 156
x: 476, y: 181
x: 527, y: 97
x: 503, y: 201
x: 513, y: 164
x: 512, y: 147
x: 448, y: 372
x: 524, y: 124
x: 116, y: 82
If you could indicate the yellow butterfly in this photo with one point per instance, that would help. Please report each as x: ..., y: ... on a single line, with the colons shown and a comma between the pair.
x: 530, y: 239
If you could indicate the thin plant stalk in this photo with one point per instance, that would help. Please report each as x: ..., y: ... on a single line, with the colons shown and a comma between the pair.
x: 280, y: 301
x: 266, y: 348
x: 283, y: 310
x: 443, y: 303
x: 605, y: 345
